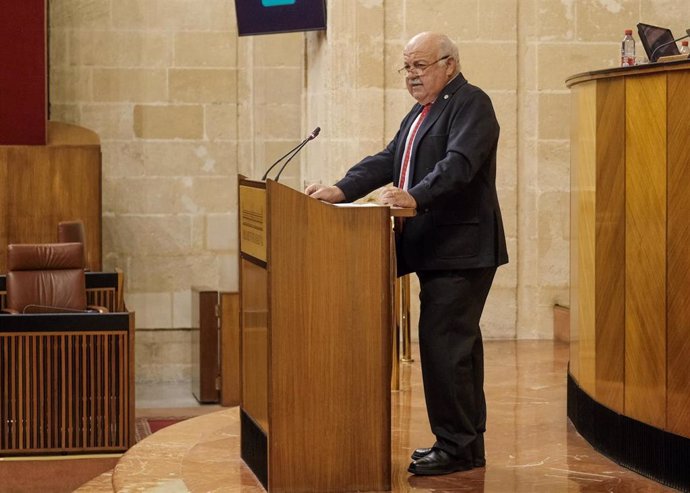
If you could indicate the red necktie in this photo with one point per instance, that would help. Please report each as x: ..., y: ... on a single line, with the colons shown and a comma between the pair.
x: 410, y: 143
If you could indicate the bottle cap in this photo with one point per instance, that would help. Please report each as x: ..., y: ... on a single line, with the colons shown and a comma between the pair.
x: 628, y: 31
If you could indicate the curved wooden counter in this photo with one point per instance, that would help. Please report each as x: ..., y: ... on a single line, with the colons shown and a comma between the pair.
x: 41, y: 185
x: 630, y: 266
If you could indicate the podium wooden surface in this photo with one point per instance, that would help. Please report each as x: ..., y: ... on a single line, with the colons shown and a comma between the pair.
x: 316, y: 318
x: 630, y: 267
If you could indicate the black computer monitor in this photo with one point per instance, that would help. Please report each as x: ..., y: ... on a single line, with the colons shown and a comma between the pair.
x: 653, y: 38
x: 279, y: 16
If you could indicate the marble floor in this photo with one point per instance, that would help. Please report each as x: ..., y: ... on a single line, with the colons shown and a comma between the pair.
x: 160, y: 400
x: 161, y: 395
x: 531, y: 446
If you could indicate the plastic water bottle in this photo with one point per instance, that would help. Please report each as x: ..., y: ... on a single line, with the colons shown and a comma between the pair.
x: 628, y: 50
x: 684, y: 48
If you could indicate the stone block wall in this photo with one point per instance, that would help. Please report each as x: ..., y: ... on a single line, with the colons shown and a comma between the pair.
x: 182, y: 104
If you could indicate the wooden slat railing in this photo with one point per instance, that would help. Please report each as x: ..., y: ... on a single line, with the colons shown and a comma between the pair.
x: 66, y: 381
x: 64, y: 392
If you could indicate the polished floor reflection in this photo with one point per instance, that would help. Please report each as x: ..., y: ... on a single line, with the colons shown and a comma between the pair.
x: 531, y: 447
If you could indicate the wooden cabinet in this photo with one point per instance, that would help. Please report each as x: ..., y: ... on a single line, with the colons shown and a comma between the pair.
x: 215, y: 346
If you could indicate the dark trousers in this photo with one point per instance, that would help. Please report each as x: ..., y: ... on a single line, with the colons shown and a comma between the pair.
x: 452, y: 357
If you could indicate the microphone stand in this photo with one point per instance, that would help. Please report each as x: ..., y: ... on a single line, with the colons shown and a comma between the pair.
x: 311, y: 136
x: 296, y: 148
x: 299, y: 148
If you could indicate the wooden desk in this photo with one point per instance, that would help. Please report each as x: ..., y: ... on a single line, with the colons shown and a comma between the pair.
x: 630, y: 264
x: 67, y: 380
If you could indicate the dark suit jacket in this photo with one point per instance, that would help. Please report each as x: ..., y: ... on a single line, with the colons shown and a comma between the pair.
x: 453, y: 179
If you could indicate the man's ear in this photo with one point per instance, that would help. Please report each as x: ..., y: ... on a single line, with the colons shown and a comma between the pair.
x: 451, y: 66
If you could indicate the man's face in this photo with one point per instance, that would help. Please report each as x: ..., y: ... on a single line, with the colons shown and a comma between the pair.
x: 428, y: 75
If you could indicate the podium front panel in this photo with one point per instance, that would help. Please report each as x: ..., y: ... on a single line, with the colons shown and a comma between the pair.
x: 316, y: 311
x: 255, y: 343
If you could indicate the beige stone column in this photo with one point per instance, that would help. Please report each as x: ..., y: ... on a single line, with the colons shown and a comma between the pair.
x: 270, y: 85
x: 344, y: 92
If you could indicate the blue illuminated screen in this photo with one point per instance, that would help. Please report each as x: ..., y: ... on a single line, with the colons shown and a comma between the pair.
x: 279, y: 16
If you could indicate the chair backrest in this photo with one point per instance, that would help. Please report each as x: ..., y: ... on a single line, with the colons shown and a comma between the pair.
x: 46, y: 275
x: 72, y: 232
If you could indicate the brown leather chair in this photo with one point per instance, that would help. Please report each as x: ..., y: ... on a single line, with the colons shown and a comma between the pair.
x: 72, y: 232
x: 46, y: 278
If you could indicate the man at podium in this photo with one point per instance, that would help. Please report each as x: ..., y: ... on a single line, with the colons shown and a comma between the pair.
x: 443, y: 164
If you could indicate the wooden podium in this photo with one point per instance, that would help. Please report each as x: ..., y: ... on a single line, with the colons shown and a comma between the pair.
x: 316, y: 317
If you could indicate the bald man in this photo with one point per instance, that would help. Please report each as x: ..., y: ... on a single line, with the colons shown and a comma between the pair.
x: 442, y: 162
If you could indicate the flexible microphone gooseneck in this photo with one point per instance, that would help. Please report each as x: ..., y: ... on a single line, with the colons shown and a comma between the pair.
x: 312, y: 136
x: 296, y: 148
x: 687, y: 35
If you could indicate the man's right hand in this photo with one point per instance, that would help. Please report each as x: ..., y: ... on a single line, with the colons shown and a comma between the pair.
x: 331, y: 194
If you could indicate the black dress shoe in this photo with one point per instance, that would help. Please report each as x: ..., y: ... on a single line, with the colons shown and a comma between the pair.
x: 420, y: 452
x: 423, y: 452
x: 438, y: 462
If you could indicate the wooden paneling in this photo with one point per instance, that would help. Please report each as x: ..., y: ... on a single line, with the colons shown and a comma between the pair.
x: 330, y: 319
x: 254, y: 323
x: 575, y: 124
x: 678, y: 288
x: 106, y: 296
x: 230, y: 349
x: 583, y: 195
x: 129, y: 384
x: 610, y: 244
x: 252, y: 221
x: 655, y: 146
x: 4, y: 223
x: 205, y: 355
x: 43, y: 185
x: 65, y: 392
x: 645, y: 260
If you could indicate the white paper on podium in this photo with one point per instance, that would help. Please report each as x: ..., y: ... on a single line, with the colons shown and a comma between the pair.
x: 366, y: 204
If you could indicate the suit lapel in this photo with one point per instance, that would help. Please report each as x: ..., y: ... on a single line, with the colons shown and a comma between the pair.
x: 436, y: 110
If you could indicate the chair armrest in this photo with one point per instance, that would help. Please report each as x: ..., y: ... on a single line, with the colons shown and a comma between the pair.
x: 96, y: 308
x: 49, y: 309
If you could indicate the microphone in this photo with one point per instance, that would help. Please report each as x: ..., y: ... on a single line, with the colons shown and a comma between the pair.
x: 311, y: 136
x: 687, y: 35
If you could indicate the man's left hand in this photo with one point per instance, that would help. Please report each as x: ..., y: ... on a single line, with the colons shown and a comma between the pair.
x: 395, y: 197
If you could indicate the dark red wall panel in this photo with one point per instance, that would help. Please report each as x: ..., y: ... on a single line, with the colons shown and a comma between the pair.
x: 23, y: 99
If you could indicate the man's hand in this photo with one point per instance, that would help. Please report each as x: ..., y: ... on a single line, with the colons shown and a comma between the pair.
x: 395, y: 197
x: 331, y: 194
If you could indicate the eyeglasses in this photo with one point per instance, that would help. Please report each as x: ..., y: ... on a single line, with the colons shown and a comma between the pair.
x: 419, y: 68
